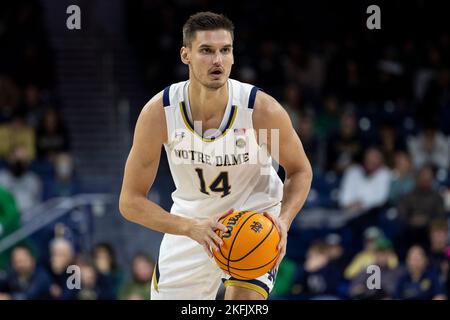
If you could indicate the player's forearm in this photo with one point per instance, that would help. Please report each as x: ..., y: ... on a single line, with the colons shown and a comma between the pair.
x: 296, y: 189
x: 142, y: 211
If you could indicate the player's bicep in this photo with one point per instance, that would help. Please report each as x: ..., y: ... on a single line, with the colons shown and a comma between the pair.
x: 292, y: 155
x: 140, y: 171
x: 283, y: 143
x: 143, y: 160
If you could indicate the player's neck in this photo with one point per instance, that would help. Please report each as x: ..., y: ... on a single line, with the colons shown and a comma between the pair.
x: 207, y: 101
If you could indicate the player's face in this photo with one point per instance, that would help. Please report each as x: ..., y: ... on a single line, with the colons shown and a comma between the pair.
x: 210, y: 57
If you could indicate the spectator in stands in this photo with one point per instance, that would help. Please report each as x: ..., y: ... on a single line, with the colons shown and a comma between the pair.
x: 33, y: 104
x: 327, y: 120
x: 402, y: 177
x: 64, y: 183
x: 106, y: 264
x: 367, y: 256
x: 9, y: 221
x: 431, y: 148
x: 17, y: 134
x: 384, y: 252
x: 317, y: 279
x: 269, y: 67
x: 137, y: 288
x: 345, y: 145
x: 366, y: 186
x: 52, y: 136
x: 389, y: 143
x: 26, y: 280
x: 419, y: 207
x: 62, y: 255
x: 446, y: 270
x: 94, y: 286
x: 310, y: 141
x: 9, y: 100
x: 438, y: 242
x: 292, y: 103
x: 419, y: 281
x: 22, y: 183
x: 336, y: 252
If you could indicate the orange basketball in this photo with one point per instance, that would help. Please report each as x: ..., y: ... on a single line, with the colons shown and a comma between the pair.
x: 250, y: 246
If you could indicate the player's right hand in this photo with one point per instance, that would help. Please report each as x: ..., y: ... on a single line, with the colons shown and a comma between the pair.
x: 203, y: 231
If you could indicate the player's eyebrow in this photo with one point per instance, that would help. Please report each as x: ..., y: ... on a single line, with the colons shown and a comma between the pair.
x: 210, y: 46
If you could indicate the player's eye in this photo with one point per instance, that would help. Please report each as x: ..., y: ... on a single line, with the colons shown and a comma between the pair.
x: 226, y: 50
x: 205, y: 50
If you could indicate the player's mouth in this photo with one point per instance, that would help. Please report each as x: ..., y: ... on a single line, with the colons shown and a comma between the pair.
x: 216, y: 73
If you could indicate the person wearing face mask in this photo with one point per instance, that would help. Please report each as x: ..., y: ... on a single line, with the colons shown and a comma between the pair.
x: 22, y: 183
x: 64, y: 184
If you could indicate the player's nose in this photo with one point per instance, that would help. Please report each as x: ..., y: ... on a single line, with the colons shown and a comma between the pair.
x: 217, y: 58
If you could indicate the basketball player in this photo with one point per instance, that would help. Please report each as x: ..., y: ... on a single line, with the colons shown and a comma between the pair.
x: 209, y: 127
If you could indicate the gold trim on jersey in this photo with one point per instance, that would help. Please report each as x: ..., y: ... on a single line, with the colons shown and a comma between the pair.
x: 155, y: 279
x: 247, y: 285
x: 191, y: 128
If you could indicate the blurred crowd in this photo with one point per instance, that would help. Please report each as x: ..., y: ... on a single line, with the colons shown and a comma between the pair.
x: 35, y: 159
x: 36, y: 165
x: 371, y: 108
x: 100, y: 278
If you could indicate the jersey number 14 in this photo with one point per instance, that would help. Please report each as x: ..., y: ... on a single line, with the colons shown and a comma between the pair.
x: 220, y: 184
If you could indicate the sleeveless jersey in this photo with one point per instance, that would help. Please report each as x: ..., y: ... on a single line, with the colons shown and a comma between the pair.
x: 216, y: 172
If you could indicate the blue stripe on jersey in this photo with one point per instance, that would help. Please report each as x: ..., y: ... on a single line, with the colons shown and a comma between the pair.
x: 251, y: 99
x: 166, y: 99
x: 157, y: 271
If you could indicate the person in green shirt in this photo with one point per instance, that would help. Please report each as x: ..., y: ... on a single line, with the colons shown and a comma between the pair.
x: 138, y: 287
x: 9, y: 222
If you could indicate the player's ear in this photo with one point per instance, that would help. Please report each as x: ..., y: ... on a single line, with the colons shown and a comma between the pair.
x: 184, y: 54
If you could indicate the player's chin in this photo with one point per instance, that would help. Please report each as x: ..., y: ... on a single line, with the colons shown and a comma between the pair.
x: 216, y: 83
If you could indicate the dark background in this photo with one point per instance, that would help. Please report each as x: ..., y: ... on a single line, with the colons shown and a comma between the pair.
x: 70, y: 99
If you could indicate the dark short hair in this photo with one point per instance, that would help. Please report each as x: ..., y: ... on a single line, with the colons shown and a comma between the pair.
x: 203, y: 21
x: 25, y: 247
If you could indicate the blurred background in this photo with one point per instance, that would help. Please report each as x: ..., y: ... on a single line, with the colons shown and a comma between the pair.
x: 372, y: 108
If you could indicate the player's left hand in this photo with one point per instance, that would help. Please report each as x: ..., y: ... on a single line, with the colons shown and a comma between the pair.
x: 282, y: 229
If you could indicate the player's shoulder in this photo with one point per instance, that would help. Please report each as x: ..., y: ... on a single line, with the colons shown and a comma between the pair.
x: 164, y: 98
x: 268, y: 112
x: 266, y: 106
x: 173, y: 94
x: 152, y: 119
x: 244, y: 94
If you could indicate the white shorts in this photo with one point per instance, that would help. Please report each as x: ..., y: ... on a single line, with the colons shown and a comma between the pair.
x: 185, y: 272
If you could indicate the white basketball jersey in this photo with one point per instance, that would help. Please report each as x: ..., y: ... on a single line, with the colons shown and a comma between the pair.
x: 226, y: 169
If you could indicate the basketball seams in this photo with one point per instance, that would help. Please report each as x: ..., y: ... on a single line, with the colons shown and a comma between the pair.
x: 220, y: 248
x: 242, y: 269
x: 234, y: 240
x: 227, y: 266
x: 259, y: 267
x: 256, y: 247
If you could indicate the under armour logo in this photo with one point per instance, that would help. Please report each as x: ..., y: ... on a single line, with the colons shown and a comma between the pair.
x: 272, y: 274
